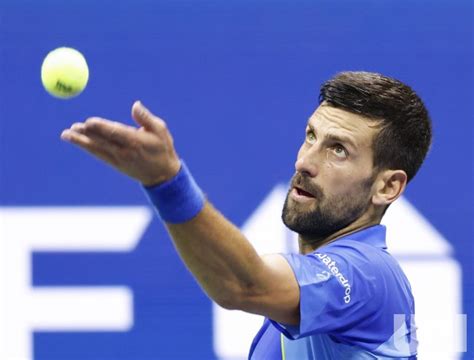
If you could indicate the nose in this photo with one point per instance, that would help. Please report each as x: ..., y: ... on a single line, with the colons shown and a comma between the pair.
x: 306, y: 163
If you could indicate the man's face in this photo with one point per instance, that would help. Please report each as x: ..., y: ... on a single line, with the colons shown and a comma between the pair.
x: 332, y: 186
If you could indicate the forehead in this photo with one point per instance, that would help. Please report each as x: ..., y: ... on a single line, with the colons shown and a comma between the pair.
x: 360, y: 129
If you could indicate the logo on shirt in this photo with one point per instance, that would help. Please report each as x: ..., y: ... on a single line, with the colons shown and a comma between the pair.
x: 331, y: 264
x: 323, y: 275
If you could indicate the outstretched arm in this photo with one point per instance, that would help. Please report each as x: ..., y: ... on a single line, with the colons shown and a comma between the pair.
x: 219, y: 256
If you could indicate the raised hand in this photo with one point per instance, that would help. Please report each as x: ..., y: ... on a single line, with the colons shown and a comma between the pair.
x: 146, y: 153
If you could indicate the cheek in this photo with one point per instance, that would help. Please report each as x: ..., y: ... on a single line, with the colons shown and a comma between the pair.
x: 340, y: 181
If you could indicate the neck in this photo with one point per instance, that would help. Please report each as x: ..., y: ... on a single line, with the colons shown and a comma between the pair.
x: 308, y: 245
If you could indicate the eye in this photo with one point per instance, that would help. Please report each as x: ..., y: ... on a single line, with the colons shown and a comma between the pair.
x: 339, y: 151
x: 310, y: 137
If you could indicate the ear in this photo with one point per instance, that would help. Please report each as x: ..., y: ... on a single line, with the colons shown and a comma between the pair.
x: 389, y: 185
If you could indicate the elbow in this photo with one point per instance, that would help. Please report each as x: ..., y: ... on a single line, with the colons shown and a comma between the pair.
x: 228, y: 301
x: 227, y: 304
x: 235, y: 299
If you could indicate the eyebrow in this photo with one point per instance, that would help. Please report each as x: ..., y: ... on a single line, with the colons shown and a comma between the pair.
x: 336, y: 138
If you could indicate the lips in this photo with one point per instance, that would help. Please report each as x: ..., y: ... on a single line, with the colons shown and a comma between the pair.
x: 303, y: 192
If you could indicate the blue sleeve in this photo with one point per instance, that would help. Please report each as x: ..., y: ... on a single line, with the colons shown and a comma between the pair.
x: 336, y: 293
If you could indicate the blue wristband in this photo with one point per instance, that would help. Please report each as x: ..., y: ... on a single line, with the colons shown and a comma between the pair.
x: 177, y: 200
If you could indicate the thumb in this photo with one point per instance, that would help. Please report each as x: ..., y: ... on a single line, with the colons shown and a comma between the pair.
x: 145, y: 118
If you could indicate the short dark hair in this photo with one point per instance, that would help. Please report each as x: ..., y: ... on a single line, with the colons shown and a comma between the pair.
x: 405, y: 135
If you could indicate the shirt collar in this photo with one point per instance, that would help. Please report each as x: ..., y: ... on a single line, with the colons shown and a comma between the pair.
x: 373, y: 235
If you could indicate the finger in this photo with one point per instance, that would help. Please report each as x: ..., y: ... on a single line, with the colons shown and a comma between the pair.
x: 110, y: 130
x: 97, y: 137
x: 145, y: 118
x: 79, y: 128
x: 92, y: 145
x: 97, y: 140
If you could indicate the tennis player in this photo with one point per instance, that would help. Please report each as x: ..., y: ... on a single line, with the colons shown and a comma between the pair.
x: 343, y: 296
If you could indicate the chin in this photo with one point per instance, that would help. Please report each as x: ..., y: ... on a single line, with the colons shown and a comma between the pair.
x: 292, y: 217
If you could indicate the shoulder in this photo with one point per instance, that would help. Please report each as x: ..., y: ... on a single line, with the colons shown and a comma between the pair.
x: 374, y: 266
x: 357, y: 254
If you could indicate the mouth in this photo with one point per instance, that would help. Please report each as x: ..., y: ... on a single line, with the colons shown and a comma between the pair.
x: 302, y: 192
x: 301, y: 195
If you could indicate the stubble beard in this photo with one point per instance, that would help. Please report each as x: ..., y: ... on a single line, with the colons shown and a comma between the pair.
x: 327, y: 215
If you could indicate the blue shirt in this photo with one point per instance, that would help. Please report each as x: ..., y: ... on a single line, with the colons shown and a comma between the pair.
x: 355, y: 303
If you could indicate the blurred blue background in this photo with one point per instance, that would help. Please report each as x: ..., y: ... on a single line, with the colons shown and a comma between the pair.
x: 236, y: 82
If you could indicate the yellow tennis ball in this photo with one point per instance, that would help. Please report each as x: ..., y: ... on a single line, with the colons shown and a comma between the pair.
x: 64, y: 72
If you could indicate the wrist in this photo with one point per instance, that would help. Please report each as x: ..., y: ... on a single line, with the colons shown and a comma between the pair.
x: 152, y: 182
x: 178, y: 199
